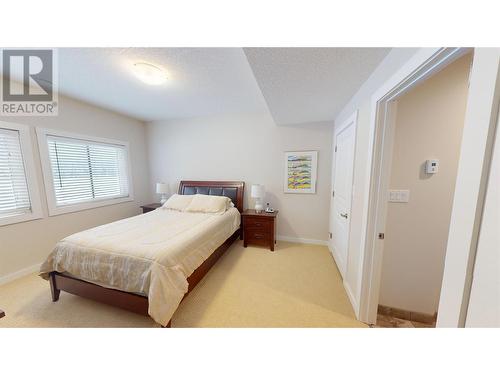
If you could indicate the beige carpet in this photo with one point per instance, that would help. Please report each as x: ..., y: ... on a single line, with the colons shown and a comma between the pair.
x: 296, y: 286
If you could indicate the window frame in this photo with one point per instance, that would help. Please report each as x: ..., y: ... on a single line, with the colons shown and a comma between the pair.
x: 30, y: 174
x: 54, y: 209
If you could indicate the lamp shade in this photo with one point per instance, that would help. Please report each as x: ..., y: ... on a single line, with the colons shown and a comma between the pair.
x: 258, y: 191
x: 161, y: 188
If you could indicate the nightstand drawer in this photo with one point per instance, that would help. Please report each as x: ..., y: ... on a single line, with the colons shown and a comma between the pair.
x: 257, y: 237
x: 256, y: 223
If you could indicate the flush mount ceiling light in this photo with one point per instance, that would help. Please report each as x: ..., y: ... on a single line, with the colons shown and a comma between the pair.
x: 150, y: 74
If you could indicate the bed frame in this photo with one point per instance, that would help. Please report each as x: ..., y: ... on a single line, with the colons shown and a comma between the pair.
x: 137, y: 303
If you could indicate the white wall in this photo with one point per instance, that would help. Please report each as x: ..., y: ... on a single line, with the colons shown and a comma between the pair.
x: 26, y: 244
x: 429, y: 124
x: 247, y: 147
x: 361, y: 101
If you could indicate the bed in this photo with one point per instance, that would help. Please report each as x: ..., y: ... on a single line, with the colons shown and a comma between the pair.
x: 148, y: 263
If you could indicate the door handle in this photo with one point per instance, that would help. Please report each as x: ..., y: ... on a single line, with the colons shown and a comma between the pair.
x: 344, y: 215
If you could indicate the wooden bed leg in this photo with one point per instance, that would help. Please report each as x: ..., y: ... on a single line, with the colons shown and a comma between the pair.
x: 53, y: 288
x: 169, y: 324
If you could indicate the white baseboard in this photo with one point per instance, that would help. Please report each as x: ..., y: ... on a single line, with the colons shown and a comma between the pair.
x: 18, y: 274
x: 302, y: 240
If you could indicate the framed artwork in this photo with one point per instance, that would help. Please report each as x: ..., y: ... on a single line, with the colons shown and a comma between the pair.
x: 301, y: 172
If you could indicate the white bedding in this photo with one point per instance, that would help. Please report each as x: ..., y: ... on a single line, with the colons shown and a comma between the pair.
x: 151, y: 254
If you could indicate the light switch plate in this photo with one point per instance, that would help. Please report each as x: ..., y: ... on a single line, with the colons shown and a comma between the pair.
x: 404, y: 196
x: 399, y: 196
x: 393, y: 195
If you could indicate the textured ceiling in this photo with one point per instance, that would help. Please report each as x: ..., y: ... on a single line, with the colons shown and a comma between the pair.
x: 311, y: 84
x: 202, y: 81
x: 296, y: 85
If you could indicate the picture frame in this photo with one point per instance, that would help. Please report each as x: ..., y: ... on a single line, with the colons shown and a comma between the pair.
x: 301, y: 168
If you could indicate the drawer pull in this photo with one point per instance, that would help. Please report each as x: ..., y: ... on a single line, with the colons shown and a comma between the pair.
x: 258, y: 236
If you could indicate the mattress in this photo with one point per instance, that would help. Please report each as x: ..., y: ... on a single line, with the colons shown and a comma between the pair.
x: 151, y: 254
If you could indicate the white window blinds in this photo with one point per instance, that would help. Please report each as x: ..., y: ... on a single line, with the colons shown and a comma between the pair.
x: 14, y: 194
x: 86, y: 171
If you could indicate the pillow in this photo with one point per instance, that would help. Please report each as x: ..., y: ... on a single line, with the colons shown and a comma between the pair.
x: 209, y: 204
x: 178, y: 202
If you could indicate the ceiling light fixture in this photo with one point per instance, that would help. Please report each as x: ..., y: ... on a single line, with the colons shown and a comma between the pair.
x: 150, y: 74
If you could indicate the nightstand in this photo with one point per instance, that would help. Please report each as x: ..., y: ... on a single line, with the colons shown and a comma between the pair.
x: 150, y: 207
x: 259, y: 228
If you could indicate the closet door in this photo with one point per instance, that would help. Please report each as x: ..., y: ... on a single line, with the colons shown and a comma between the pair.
x: 343, y: 169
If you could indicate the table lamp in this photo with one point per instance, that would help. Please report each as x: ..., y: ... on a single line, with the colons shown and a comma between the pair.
x: 162, y: 189
x: 258, y: 192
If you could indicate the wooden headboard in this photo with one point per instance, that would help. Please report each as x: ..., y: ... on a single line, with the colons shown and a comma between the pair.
x: 231, y: 189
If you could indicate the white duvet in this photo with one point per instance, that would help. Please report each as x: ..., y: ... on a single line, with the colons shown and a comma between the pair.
x: 151, y: 254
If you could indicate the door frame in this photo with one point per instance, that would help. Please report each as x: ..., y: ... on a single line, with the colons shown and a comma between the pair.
x: 352, y: 120
x: 470, y: 191
x: 420, y: 67
x: 479, y: 314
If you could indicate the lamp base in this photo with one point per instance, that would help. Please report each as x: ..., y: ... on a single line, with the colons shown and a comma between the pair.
x: 259, y: 207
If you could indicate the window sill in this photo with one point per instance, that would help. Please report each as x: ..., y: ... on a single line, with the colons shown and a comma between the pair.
x: 16, y: 219
x: 60, y: 210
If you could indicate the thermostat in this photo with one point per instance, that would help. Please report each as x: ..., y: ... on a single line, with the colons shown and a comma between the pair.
x: 431, y: 166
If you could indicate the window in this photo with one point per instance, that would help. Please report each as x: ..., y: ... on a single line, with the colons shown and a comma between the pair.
x: 83, y: 172
x: 86, y: 171
x: 19, y: 200
x: 15, y: 197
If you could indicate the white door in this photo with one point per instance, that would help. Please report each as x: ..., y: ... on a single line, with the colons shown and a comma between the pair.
x: 343, y: 168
